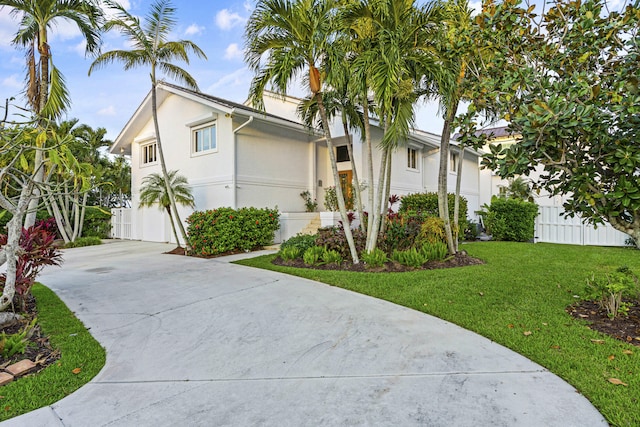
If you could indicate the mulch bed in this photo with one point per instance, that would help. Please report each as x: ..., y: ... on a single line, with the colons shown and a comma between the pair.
x: 461, y: 259
x: 624, y: 328
x: 38, y: 348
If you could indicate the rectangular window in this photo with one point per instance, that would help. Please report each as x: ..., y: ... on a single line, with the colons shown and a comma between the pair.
x: 342, y: 154
x: 453, y: 162
x: 149, y: 153
x: 204, y: 139
x: 412, y: 158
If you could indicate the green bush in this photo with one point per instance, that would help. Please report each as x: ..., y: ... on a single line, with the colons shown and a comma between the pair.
x: 84, y: 241
x: 333, y: 238
x: 97, y: 223
x: 329, y: 256
x: 411, y: 257
x: 290, y: 253
x: 609, y: 290
x: 225, y: 229
x: 313, y: 254
x: 511, y: 219
x: 302, y: 242
x: 425, y: 205
x: 436, y: 251
x: 400, y: 234
x: 375, y: 258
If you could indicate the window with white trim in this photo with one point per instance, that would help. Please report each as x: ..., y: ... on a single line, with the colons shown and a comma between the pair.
x: 149, y: 153
x: 412, y: 158
x: 204, y: 139
x: 454, y: 160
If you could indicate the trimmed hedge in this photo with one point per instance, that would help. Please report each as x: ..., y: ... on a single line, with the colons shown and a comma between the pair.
x: 426, y: 205
x: 223, y: 230
x: 511, y: 219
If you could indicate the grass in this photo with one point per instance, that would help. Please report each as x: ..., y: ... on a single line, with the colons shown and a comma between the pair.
x: 78, y: 349
x: 521, y: 288
x: 83, y: 241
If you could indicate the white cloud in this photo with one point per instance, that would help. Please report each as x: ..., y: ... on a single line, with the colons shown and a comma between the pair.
x: 226, y: 20
x: 193, y: 29
x: 233, y: 52
x: 8, y: 27
x: 80, y: 48
x: 248, y: 6
x: 13, y: 82
x: 108, y: 111
x: 232, y: 86
x: 111, y: 13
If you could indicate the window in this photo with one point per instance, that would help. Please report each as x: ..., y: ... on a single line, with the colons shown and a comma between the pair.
x: 453, y: 162
x: 412, y: 158
x: 204, y: 139
x: 149, y: 153
x: 342, y: 154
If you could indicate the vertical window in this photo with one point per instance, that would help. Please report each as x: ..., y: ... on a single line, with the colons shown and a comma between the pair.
x: 342, y: 154
x: 204, y: 139
x: 453, y: 162
x: 412, y: 158
x: 149, y: 153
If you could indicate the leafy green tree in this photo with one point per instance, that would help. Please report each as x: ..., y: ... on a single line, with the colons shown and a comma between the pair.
x: 284, y: 38
x: 154, y: 191
x: 151, y: 47
x: 46, y: 92
x: 568, y: 83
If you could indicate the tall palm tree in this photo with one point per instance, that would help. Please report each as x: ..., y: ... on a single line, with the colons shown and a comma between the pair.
x: 287, y: 37
x: 154, y: 191
x: 47, y: 94
x: 151, y: 47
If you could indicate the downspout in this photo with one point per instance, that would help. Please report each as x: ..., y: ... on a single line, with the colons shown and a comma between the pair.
x: 234, y: 163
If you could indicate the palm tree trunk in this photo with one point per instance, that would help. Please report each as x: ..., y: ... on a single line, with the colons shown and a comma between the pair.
x: 375, y: 229
x: 371, y: 241
x: 336, y: 178
x: 443, y: 202
x: 354, y: 171
x: 387, y: 191
x: 172, y: 200
x: 173, y: 226
x: 456, y: 203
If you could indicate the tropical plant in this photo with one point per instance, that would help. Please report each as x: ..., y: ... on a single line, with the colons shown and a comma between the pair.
x: 375, y: 258
x: 151, y: 47
x: 313, y: 255
x: 283, y: 38
x: 46, y: 92
x: 154, y: 191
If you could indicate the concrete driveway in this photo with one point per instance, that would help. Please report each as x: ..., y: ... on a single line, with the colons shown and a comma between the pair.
x: 193, y: 342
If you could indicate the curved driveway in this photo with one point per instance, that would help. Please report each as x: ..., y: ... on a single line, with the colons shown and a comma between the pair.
x: 194, y: 342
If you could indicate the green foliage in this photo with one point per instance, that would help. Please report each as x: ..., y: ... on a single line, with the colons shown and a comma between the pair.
x: 16, y: 343
x: 290, y: 253
x: 330, y: 256
x: 222, y: 230
x: 431, y: 231
x: 609, y: 289
x: 310, y: 204
x: 400, y: 233
x: 375, y: 258
x: 511, y: 219
x: 300, y: 241
x: 313, y: 255
x: 436, y: 251
x: 97, y: 223
x: 410, y: 257
x: 331, y: 198
x: 424, y: 205
x: 333, y: 238
x: 84, y: 241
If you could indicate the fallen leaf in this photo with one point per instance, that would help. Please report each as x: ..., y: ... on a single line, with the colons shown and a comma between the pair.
x: 611, y: 357
x: 584, y: 316
x: 510, y: 326
x: 616, y: 382
x: 627, y: 352
x: 7, y: 408
x: 597, y: 341
x: 527, y: 333
x: 555, y: 347
x: 76, y: 371
x: 638, y: 338
x: 545, y: 324
x: 481, y: 294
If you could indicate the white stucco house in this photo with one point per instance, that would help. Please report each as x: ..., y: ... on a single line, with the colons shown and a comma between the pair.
x: 236, y: 156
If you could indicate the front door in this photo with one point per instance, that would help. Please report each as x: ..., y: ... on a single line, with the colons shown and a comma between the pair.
x: 346, y: 179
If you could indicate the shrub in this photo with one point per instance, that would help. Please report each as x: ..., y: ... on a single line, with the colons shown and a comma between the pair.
x: 333, y: 238
x: 411, y: 257
x: 431, y: 231
x: 436, y: 251
x: 610, y: 289
x: 84, y: 241
x: 400, y: 233
x: 225, y: 229
x: 16, y: 343
x: 511, y: 219
x: 97, y: 223
x: 330, y: 256
x: 300, y: 241
x: 36, y: 251
x: 312, y: 255
x: 331, y: 198
x: 375, y: 258
x: 290, y: 253
x: 423, y: 205
x: 309, y: 204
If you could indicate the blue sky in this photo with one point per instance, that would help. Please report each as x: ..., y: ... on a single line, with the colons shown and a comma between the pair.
x: 110, y: 96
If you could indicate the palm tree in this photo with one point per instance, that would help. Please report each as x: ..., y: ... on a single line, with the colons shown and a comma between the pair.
x: 154, y: 191
x: 47, y: 94
x: 151, y: 48
x: 284, y: 38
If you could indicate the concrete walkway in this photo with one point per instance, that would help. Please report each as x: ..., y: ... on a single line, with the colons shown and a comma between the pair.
x: 193, y: 342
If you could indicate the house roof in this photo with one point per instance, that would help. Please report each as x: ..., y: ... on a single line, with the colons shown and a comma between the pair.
x: 140, y: 117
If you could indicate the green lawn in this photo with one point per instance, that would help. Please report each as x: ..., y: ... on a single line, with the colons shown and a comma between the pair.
x: 521, y: 288
x: 78, y: 349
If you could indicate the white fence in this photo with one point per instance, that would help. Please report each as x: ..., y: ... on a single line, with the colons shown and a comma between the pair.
x: 552, y: 227
x: 121, y: 223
